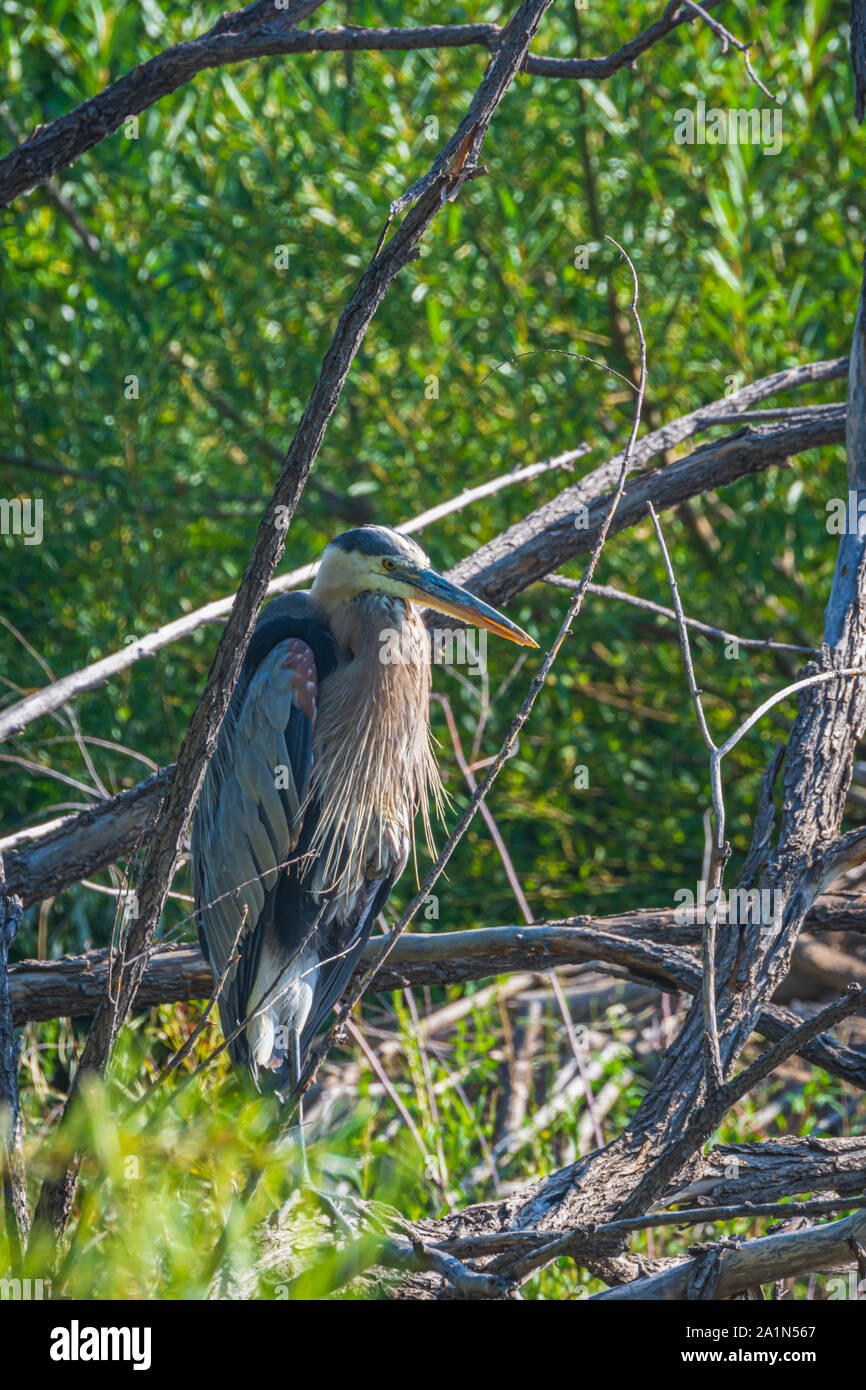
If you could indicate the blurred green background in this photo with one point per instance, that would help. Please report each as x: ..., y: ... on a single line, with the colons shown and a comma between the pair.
x: 231, y: 232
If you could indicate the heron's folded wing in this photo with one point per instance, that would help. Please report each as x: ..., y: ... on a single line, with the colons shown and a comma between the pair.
x: 337, y: 969
x: 253, y: 801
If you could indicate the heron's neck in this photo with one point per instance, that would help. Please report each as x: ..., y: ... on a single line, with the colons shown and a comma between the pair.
x: 384, y: 661
x: 376, y: 629
x: 373, y: 765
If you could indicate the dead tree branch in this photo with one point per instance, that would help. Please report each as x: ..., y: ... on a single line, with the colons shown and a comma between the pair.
x: 72, y: 985
x: 261, y: 31
x: 11, y: 1132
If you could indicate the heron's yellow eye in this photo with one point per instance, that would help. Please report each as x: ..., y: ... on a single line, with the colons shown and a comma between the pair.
x: 389, y: 565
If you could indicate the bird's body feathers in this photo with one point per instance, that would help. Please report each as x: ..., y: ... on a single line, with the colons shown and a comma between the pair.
x: 305, y: 820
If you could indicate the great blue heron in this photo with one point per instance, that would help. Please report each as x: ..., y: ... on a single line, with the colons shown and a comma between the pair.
x: 305, y: 820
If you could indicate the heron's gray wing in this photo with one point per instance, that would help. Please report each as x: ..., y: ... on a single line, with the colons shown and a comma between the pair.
x: 251, y: 811
x: 341, y: 944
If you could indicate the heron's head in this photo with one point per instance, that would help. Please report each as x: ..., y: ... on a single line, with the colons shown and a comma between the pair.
x: 377, y: 560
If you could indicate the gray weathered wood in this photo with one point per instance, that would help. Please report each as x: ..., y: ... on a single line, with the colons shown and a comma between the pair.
x: 759, y: 1261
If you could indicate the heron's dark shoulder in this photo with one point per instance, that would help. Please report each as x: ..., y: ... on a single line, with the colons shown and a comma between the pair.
x: 291, y: 616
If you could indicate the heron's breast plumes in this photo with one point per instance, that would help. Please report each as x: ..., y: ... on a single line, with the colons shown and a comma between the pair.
x: 373, y: 764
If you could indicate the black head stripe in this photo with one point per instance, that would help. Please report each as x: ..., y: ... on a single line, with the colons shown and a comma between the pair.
x: 380, y: 540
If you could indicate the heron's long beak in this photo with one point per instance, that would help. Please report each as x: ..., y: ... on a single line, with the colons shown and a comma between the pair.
x: 433, y: 591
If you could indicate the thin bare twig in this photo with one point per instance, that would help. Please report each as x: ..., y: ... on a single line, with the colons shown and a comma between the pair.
x: 712, y: 1051
x: 728, y: 38
x: 174, y: 1062
x: 646, y: 605
x: 390, y: 1090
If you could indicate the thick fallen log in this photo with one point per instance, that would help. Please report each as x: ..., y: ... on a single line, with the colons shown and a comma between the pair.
x: 781, y: 1167
x: 73, y: 985
x: 648, y: 943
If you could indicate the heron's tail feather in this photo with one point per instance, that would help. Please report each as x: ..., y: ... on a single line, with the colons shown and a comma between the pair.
x: 278, y: 1007
x: 267, y: 1041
